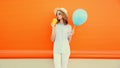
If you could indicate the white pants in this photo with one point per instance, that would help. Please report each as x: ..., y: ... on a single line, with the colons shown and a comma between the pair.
x: 61, y: 60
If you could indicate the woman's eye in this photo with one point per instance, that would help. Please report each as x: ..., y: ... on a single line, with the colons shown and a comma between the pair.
x: 59, y: 13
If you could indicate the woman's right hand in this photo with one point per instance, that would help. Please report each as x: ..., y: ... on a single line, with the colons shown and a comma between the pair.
x: 52, y: 25
x: 54, y: 21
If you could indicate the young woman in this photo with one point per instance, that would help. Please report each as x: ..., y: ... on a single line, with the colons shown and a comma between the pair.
x: 61, y: 36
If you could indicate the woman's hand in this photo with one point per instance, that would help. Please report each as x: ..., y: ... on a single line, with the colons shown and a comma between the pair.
x: 52, y: 25
x: 54, y: 21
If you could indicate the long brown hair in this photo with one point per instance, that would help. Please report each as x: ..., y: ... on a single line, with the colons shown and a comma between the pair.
x: 64, y: 17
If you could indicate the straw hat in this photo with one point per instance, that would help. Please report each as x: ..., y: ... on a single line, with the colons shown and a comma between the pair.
x: 62, y: 9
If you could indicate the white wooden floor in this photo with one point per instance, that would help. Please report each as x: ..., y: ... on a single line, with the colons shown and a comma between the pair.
x: 48, y: 63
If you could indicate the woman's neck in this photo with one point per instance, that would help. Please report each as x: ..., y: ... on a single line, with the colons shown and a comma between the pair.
x: 61, y: 21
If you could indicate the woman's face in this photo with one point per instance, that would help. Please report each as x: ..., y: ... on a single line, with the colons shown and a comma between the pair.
x: 59, y: 15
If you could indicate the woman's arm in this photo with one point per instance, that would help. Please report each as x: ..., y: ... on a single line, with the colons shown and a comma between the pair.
x: 70, y: 35
x: 53, y: 33
x: 71, y: 32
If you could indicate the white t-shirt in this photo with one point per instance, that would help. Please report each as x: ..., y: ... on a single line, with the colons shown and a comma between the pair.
x: 61, y: 43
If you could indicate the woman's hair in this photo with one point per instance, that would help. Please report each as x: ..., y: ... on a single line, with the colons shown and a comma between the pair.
x: 64, y: 17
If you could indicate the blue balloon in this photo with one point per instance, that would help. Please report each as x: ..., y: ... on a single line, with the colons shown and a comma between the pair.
x: 79, y: 17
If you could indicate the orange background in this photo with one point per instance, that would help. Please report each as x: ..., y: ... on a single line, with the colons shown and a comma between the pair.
x: 25, y: 29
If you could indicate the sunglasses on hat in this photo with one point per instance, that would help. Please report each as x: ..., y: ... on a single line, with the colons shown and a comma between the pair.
x: 59, y: 13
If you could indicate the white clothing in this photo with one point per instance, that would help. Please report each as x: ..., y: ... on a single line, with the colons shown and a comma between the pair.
x: 61, y: 60
x: 61, y: 45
